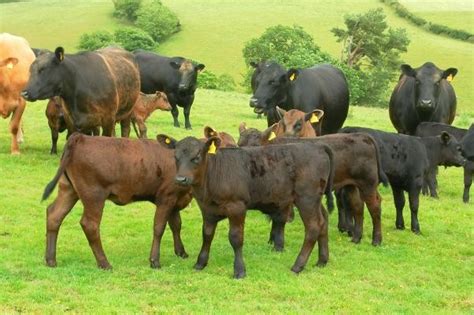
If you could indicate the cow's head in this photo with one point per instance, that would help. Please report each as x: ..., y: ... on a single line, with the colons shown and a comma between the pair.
x: 450, y: 150
x: 298, y: 124
x: 227, y: 141
x: 191, y: 156
x: 45, y: 76
x: 160, y: 101
x: 249, y: 137
x: 271, y: 86
x: 188, y: 74
x: 428, y: 82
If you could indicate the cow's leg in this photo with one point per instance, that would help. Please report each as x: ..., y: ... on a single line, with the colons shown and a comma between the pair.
x: 432, y: 181
x: 55, y: 214
x: 309, y: 209
x: 161, y: 217
x: 54, y: 140
x: 467, y: 183
x: 174, y: 221
x: 357, y: 208
x: 175, y: 113
x: 142, y: 128
x: 277, y: 233
x: 373, y: 201
x: 236, y: 239
x: 15, y: 127
x: 125, y: 127
x: 187, y: 112
x: 341, y: 224
x: 323, y: 240
x: 108, y: 128
x: 90, y: 222
x: 208, y: 229
x: 399, y: 199
x: 414, y: 197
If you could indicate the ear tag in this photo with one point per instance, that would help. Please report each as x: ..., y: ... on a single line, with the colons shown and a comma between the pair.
x: 212, y: 148
x: 167, y: 141
x: 61, y: 57
x: 292, y: 77
x: 272, y: 136
x: 449, y: 78
x: 314, y: 119
x: 10, y: 65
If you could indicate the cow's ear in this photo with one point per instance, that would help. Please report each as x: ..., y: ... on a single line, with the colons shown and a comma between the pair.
x: 209, y: 132
x: 199, y: 67
x: 449, y: 74
x: 281, y: 112
x: 167, y: 142
x: 445, y: 137
x: 408, y: 70
x: 254, y: 64
x: 212, y: 144
x: 242, y: 127
x: 175, y: 64
x: 292, y: 74
x: 314, y: 117
x: 9, y: 62
x: 270, y: 133
x: 59, y: 53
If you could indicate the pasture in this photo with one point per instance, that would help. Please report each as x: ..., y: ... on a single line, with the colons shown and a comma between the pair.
x: 428, y: 273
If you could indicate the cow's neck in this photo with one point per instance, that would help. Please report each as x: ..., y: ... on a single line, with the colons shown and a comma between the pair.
x: 433, y: 147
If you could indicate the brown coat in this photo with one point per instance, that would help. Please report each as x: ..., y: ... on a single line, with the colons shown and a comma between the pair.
x: 146, y: 104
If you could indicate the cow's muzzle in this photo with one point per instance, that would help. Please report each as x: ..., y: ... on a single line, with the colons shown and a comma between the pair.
x: 182, y: 180
x: 27, y: 96
x: 256, y: 106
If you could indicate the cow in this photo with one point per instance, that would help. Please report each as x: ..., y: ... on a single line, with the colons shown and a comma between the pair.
x: 98, y: 87
x: 226, y: 140
x: 16, y: 57
x: 422, y: 94
x: 146, y: 104
x: 226, y: 182
x: 320, y: 87
x: 428, y: 129
x: 176, y: 76
x: 96, y: 169
x: 405, y: 161
x: 358, y: 173
x: 56, y: 121
x: 295, y: 123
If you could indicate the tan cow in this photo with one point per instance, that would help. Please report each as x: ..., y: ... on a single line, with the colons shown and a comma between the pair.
x: 146, y: 104
x: 295, y: 123
x: 16, y: 57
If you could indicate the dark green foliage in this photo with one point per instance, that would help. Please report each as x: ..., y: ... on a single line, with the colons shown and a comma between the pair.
x: 95, y: 40
x: 157, y: 20
x: 126, y: 9
x: 209, y: 80
x: 372, y: 49
x: 134, y: 38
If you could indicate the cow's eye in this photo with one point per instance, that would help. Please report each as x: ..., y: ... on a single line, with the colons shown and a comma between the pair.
x: 437, y: 83
x: 271, y: 82
x: 297, y: 126
x: 196, y: 159
x: 417, y: 82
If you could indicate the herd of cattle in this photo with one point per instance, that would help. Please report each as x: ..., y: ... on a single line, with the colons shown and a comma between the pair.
x: 304, y: 153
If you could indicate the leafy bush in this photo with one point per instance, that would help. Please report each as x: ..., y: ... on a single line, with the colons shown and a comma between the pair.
x: 157, y: 20
x: 133, y: 38
x: 95, y: 40
x: 209, y: 80
x: 126, y: 9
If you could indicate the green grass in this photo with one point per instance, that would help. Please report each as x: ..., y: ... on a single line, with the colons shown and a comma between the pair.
x: 431, y: 273
x: 215, y: 31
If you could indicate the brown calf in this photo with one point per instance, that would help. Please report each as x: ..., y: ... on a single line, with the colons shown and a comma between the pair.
x: 96, y: 169
x: 295, y: 123
x: 227, y: 141
x: 146, y: 104
x: 56, y: 121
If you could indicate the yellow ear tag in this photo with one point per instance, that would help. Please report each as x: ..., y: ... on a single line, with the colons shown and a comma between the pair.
x: 449, y: 78
x: 272, y: 136
x: 292, y: 77
x: 61, y: 57
x: 167, y: 141
x: 212, y: 148
x: 10, y: 65
x: 314, y: 119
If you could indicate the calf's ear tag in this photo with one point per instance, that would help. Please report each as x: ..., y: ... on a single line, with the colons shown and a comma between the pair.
x: 212, y: 148
x: 292, y: 77
x: 272, y: 136
x: 314, y: 119
x: 449, y: 78
x: 10, y: 65
x: 167, y: 141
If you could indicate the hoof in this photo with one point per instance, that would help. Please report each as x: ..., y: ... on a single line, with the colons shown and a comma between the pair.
x: 416, y: 231
x: 321, y: 263
x: 400, y: 226
x: 356, y: 240
x: 239, y: 275
x: 105, y: 266
x: 51, y: 263
x: 278, y: 248
x: 199, y: 266
x: 155, y: 265
x: 297, y: 269
x: 189, y: 128
x: 16, y: 152
x: 376, y: 242
x: 183, y: 255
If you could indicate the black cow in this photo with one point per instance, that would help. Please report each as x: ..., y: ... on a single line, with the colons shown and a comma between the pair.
x: 320, y: 87
x: 430, y: 184
x: 406, y: 159
x: 228, y: 182
x: 422, y: 94
x: 175, y: 76
x: 40, y: 51
x: 98, y: 87
x: 467, y: 147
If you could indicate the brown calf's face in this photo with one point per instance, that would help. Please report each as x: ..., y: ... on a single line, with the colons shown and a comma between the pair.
x: 161, y: 101
x: 226, y: 140
x: 296, y: 123
x: 249, y: 137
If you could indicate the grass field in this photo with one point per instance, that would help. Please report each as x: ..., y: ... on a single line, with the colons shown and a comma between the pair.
x: 431, y: 273
x: 215, y: 31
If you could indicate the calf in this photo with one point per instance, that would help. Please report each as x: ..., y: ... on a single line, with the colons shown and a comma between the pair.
x: 146, y: 104
x: 427, y: 129
x: 295, y: 123
x: 227, y: 141
x: 405, y: 161
x: 56, y: 121
x: 229, y: 181
x: 358, y: 172
x: 120, y: 170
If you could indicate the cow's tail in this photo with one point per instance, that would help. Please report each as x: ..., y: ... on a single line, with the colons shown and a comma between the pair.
x: 65, y: 160
x: 329, y: 185
x: 135, y: 128
x: 382, y: 176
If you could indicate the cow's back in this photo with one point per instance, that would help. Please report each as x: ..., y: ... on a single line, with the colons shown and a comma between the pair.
x: 156, y: 74
x: 431, y: 129
x: 322, y: 87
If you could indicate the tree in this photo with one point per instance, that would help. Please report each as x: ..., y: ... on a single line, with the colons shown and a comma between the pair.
x: 369, y: 45
x: 126, y: 9
x: 157, y: 20
x: 133, y: 38
x: 95, y: 40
